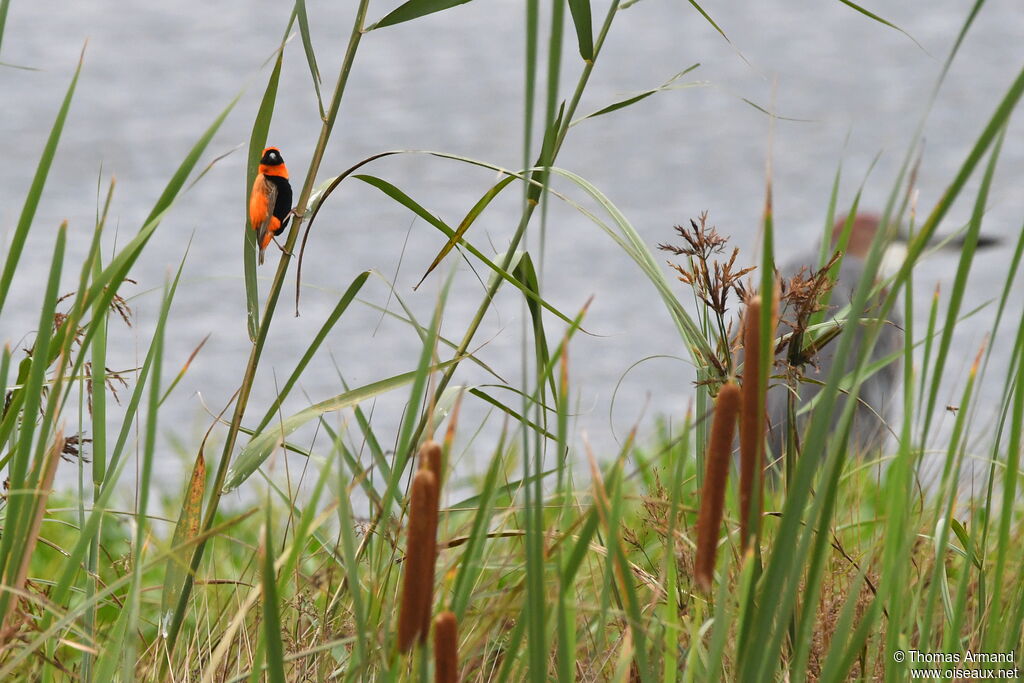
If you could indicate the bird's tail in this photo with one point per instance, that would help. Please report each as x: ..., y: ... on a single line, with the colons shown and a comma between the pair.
x: 263, y: 251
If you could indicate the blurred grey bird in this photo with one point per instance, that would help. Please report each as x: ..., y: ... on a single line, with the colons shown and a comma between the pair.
x: 878, y: 393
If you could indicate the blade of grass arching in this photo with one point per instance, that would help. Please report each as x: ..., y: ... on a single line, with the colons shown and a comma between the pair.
x: 502, y: 270
x: 414, y: 9
x: 670, y: 84
x: 313, y: 347
x: 141, y: 514
x: 636, y: 247
x: 465, y: 225
x: 35, y: 191
x: 307, y: 46
x: 261, y: 446
x: 271, y: 609
x: 835, y: 668
x: 880, y: 20
x: 257, y: 141
x: 487, y: 398
x: 960, y: 280
x: 580, y: 10
x: 19, y: 505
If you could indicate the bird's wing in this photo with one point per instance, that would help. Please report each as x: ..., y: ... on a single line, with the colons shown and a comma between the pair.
x: 264, y: 227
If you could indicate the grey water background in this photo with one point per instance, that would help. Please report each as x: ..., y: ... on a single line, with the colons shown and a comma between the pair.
x: 155, y: 75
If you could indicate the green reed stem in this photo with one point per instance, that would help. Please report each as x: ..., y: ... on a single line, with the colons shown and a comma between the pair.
x: 268, y: 314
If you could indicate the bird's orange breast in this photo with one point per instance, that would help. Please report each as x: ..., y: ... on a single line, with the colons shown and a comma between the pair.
x: 259, y: 205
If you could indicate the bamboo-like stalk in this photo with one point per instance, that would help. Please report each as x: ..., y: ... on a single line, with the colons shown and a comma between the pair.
x: 418, y: 575
x: 446, y: 648
x: 709, y: 521
x: 268, y: 313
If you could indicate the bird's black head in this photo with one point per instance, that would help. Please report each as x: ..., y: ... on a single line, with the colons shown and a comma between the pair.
x: 271, y: 157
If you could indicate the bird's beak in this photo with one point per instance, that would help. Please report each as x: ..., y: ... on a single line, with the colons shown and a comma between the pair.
x: 984, y: 242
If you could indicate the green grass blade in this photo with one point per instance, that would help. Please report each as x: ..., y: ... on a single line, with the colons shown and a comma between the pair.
x: 307, y: 46
x: 264, y: 443
x: 466, y: 223
x: 20, y: 504
x: 414, y: 9
x: 257, y: 142
x: 271, y: 608
x: 580, y: 10
x: 313, y: 347
x: 670, y: 84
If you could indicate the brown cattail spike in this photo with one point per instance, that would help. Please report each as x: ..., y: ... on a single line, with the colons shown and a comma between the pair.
x: 751, y: 426
x: 709, y: 521
x: 417, y: 582
x: 446, y: 648
x: 430, y: 459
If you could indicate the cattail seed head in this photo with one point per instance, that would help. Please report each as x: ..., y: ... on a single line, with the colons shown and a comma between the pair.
x: 418, y: 579
x: 430, y: 458
x: 709, y: 521
x: 751, y: 422
x: 446, y: 653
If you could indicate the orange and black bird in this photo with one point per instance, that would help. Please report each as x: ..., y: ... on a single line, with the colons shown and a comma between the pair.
x: 270, y: 203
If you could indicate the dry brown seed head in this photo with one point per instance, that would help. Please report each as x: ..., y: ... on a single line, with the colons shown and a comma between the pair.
x: 709, y: 520
x: 446, y: 644
x: 417, y: 579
